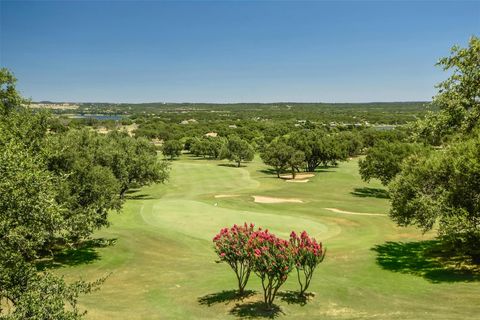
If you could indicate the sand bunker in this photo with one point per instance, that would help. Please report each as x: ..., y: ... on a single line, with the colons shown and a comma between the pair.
x: 226, y: 195
x: 298, y: 176
x: 355, y: 213
x: 262, y: 199
x: 301, y: 181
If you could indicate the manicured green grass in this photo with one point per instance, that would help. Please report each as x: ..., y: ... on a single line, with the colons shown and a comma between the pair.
x: 163, y: 267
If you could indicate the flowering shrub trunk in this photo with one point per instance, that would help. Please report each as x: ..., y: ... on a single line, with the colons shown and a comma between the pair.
x: 307, y: 255
x: 272, y: 261
x: 231, y: 247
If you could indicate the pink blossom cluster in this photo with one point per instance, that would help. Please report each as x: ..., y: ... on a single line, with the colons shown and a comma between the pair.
x: 231, y: 243
x: 268, y: 256
x: 307, y: 255
x: 271, y: 255
x: 305, y: 247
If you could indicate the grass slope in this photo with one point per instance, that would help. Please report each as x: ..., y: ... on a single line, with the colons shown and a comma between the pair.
x: 163, y: 267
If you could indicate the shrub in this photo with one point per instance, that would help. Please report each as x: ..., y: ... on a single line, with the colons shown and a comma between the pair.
x: 231, y: 247
x: 307, y: 254
x: 272, y: 261
x: 269, y: 257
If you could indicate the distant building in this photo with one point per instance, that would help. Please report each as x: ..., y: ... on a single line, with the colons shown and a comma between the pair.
x: 189, y: 121
x: 211, y: 134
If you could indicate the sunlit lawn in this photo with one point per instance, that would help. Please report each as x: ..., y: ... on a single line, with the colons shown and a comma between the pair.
x: 162, y: 265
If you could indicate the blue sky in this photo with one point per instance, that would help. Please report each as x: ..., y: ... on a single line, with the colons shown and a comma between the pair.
x: 207, y: 51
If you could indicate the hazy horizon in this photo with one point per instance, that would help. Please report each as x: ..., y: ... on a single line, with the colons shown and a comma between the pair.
x: 239, y: 102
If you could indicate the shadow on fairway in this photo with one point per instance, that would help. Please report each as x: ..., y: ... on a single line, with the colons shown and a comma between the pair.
x: 273, y: 173
x: 252, y: 310
x: 225, y: 296
x: 133, y: 194
x: 371, y: 193
x: 230, y: 165
x: 269, y: 174
x: 326, y: 169
x: 85, y: 253
x: 293, y: 297
x: 140, y: 196
x: 428, y: 259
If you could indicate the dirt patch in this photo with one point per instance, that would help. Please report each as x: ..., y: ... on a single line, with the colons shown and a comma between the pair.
x: 355, y: 213
x: 226, y: 195
x: 262, y: 199
x: 298, y: 176
x: 301, y: 181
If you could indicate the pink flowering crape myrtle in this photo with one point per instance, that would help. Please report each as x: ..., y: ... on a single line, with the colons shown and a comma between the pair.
x: 231, y: 247
x: 307, y: 255
x: 272, y: 261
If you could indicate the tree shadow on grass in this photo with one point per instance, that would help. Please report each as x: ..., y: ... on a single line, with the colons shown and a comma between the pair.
x: 371, y: 193
x: 269, y: 174
x: 230, y: 165
x: 294, y: 297
x: 428, y: 259
x: 140, y: 196
x: 84, y: 253
x: 133, y: 194
x: 225, y: 296
x: 268, y: 171
x: 252, y: 310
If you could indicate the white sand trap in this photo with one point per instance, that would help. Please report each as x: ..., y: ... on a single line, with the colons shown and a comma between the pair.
x: 301, y: 181
x: 298, y: 176
x: 262, y: 199
x: 226, y: 195
x: 355, y: 213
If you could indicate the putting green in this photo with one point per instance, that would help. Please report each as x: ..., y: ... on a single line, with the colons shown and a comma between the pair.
x: 163, y: 266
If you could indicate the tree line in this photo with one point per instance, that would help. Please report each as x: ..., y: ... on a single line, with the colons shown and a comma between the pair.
x: 56, y: 189
x: 296, y: 151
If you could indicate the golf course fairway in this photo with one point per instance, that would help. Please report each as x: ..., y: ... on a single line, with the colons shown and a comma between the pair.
x: 161, y: 262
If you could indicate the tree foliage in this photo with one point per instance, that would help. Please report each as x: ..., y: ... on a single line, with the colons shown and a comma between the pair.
x: 9, y: 97
x: 384, y: 160
x: 278, y: 155
x: 207, y: 147
x: 56, y: 188
x: 318, y: 148
x: 30, y: 217
x: 231, y: 247
x: 458, y: 97
x: 444, y: 185
x: 26, y: 294
x: 172, y: 148
x: 237, y: 150
x: 269, y: 257
x: 272, y: 261
x: 307, y: 255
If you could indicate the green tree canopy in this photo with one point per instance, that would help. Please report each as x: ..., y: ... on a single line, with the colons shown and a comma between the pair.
x: 172, y: 148
x: 458, y: 97
x: 384, y: 160
x: 318, y: 147
x: 237, y: 150
x: 276, y: 155
x: 442, y: 187
x: 9, y: 97
x: 32, y: 216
